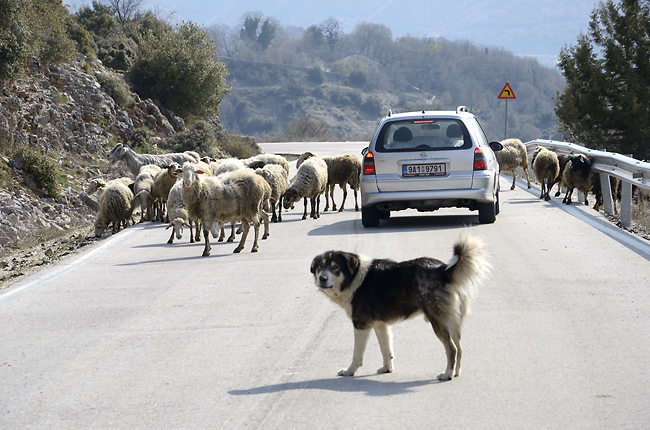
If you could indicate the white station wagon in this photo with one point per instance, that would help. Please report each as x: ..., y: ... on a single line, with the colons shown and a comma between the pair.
x: 428, y: 160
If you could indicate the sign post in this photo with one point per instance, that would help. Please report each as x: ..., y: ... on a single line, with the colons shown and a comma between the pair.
x: 507, y: 93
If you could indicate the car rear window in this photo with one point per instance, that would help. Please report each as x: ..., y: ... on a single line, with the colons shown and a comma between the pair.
x: 423, y: 134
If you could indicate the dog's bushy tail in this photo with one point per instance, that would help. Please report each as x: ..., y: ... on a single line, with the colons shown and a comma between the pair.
x: 469, y: 265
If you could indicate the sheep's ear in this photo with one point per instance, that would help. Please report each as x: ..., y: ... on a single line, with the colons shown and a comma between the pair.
x: 200, y: 172
x: 171, y: 224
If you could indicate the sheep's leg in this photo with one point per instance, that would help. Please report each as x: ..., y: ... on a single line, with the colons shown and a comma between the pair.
x: 192, y: 232
x: 345, y: 195
x: 274, y: 217
x: 256, y: 226
x: 356, y: 201
x: 525, y: 169
x: 304, y: 215
x: 312, y: 214
x: 198, y: 231
x: 232, y: 231
x: 327, y: 202
x: 567, y: 196
x: 222, y: 232
x: 280, y: 209
x: 206, y: 236
x: 332, y: 197
x: 246, y: 226
x: 265, y: 218
x: 171, y: 238
x: 514, y: 177
x: 317, y: 210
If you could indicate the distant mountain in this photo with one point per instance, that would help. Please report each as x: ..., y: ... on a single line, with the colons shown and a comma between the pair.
x: 538, y: 28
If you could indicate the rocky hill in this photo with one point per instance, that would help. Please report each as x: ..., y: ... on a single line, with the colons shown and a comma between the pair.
x: 62, y: 112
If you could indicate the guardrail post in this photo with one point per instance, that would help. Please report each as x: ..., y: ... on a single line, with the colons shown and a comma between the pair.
x: 606, y: 189
x: 626, y: 204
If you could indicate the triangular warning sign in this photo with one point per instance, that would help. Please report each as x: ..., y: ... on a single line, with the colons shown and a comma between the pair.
x: 507, y: 93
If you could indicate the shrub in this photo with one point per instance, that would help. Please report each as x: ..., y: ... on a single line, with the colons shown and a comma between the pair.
x: 116, y: 88
x: 239, y: 146
x: 118, y: 53
x: 198, y: 137
x: 372, y: 106
x: 179, y: 69
x: 141, y: 140
x: 43, y: 169
x: 307, y: 130
x: 316, y: 75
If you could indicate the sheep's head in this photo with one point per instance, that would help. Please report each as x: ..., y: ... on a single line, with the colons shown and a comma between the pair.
x: 290, y: 197
x: 100, y: 226
x: 173, y: 170
x: 581, y: 163
x: 178, y: 224
x: 190, y: 174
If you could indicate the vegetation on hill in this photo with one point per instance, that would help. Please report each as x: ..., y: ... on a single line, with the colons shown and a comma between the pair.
x: 349, y: 81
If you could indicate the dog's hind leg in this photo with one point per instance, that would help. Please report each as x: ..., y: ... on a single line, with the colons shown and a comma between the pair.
x: 385, y: 339
x: 360, y: 342
x: 459, y: 353
x: 450, y: 349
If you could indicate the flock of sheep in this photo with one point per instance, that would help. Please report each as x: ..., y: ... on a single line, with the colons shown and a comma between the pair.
x: 203, y: 194
x: 566, y: 170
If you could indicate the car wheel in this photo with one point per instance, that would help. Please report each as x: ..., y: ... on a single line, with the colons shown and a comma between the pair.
x: 370, y: 216
x: 498, y: 209
x: 487, y: 212
x: 384, y: 214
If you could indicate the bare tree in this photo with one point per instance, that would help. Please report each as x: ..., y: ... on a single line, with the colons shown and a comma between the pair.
x: 331, y: 29
x: 371, y: 39
x: 125, y: 10
x: 226, y: 39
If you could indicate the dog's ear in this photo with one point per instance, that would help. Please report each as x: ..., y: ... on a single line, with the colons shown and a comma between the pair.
x: 315, y: 262
x: 353, y: 262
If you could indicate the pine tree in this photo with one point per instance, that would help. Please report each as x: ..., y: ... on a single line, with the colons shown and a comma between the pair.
x: 606, y: 102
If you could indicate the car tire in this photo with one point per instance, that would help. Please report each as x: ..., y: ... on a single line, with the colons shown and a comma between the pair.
x: 370, y: 216
x: 487, y: 212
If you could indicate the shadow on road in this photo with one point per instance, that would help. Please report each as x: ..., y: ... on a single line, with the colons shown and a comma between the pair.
x: 370, y: 387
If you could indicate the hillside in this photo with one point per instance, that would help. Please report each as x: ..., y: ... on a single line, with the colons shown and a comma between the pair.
x: 350, y: 92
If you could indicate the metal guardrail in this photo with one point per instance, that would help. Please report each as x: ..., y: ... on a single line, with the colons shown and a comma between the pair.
x: 628, y: 170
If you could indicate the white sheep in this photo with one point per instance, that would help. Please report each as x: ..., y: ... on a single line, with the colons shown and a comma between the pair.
x: 144, y: 182
x: 309, y: 183
x: 163, y: 182
x: 226, y: 165
x: 546, y: 167
x: 234, y: 196
x: 343, y: 170
x: 277, y: 178
x: 513, y: 155
x: 115, y: 207
x: 577, y: 174
x: 262, y: 160
x: 178, y: 216
x: 135, y: 161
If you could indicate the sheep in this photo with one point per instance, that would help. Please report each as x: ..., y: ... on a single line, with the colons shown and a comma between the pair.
x: 163, y: 182
x: 262, y: 160
x: 116, y: 206
x: 577, y: 174
x: 615, y: 187
x: 144, y: 182
x: 277, y: 178
x: 234, y: 196
x: 135, y: 161
x: 228, y: 165
x: 546, y: 167
x: 513, y: 155
x: 343, y: 170
x: 310, y: 182
x: 178, y: 216
x: 98, y: 185
x: 563, y: 159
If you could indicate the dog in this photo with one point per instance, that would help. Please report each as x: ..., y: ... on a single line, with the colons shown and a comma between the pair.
x: 378, y: 292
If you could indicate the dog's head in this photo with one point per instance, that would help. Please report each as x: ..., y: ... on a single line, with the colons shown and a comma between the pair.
x: 334, y: 271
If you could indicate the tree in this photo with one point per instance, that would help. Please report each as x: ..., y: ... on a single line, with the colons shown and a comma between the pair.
x: 371, y: 40
x: 15, y: 38
x: 179, y: 68
x: 124, y: 10
x: 606, y: 101
x: 331, y: 30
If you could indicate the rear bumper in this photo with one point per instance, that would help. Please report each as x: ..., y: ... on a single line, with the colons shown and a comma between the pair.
x: 483, y: 191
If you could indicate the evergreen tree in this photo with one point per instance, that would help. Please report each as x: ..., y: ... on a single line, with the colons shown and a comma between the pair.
x: 606, y: 101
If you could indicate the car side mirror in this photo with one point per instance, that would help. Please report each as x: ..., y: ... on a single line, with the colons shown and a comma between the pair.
x: 364, y: 151
x: 496, y: 146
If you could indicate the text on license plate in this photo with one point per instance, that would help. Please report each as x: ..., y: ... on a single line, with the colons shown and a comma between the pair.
x: 432, y: 169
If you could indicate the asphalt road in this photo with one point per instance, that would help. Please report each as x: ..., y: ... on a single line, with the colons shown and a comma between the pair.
x: 136, y: 333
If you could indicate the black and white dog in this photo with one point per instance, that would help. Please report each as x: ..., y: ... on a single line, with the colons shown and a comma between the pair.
x: 378, y: 292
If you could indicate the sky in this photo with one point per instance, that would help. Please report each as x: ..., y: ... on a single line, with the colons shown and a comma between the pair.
x: 536, y: 28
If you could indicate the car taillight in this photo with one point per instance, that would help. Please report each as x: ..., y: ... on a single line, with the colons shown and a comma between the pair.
x: 480, y: 163
x: 369, y: 164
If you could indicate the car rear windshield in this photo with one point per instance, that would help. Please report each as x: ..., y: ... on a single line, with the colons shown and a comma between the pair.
x: 423, y: 134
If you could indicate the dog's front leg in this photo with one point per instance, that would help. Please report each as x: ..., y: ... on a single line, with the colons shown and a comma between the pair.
x: 384, y: 337
x: 360, y: 342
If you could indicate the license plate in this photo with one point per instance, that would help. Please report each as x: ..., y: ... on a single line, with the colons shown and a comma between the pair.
x: 432, y: 169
